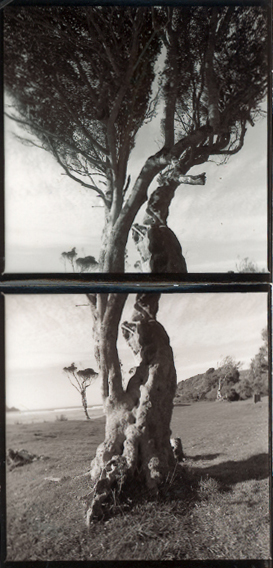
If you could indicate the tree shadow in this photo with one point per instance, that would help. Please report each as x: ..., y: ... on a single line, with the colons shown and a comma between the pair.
x: 181, y: 491
x: 231, y: 472
x: 204, y: 457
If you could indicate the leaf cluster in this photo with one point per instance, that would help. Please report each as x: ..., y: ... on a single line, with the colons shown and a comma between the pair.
x: 81, y: 379
x: 82, y: 81
x: 71, y: 71
x: 259, y: 366
x: 221, y: 53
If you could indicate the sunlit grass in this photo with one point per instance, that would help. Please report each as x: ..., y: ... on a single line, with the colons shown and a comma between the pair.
x: 215, y: 506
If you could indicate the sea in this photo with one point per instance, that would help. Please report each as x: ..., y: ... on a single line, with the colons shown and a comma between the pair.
x: 53, y: 414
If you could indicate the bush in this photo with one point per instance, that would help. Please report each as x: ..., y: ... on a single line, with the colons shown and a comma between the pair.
x: 212, y: 394
x: 232, y: 396
x: 61, y: 418
x: 245, y: 389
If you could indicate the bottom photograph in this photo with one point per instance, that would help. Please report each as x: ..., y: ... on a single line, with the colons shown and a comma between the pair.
x: 137, y: 426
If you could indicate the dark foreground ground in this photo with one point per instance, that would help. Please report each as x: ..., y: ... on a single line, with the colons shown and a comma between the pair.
x: 218, y: 508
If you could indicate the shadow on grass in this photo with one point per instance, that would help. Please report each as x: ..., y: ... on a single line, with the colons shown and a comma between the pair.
x: 231, y: 472
x: 182, y: 490
x: 205, y: 457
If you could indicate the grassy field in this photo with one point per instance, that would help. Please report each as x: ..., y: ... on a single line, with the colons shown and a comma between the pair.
x: 216, y: 507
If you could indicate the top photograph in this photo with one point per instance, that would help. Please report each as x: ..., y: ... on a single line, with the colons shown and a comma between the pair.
x: 136, y: 139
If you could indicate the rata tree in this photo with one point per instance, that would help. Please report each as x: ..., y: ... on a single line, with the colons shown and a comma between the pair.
x: 80, y: 380
x: 83, y: 80
x: 138, y: 412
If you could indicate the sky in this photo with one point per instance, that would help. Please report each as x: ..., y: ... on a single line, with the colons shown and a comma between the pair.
x: 218, y: 224
x: 45, y: 333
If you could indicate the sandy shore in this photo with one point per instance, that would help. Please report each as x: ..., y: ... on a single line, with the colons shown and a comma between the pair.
x: 28, y: 417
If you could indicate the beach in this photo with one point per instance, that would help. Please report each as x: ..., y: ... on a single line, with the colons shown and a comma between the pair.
x: 51, y: 415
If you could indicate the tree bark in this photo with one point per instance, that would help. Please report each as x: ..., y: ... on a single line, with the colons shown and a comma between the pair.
x: 117, y: 227
x: 138, y: 415
x: 84, y: 403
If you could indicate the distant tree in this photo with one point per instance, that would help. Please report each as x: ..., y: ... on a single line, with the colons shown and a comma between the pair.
x: 246, y: 265
x: 229, y: 375
x: 87, y: 263
x: 245, y: 388
x: 70, y: 257
x: 259, y: 367
x: 84, y: 264
x: 80, y: 380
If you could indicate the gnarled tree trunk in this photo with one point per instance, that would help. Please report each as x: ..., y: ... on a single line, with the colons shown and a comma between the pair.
x: 159, y: 249
x: 137, y: 433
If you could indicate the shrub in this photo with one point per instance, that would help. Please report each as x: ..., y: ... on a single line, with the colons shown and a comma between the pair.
x: 212, y: 394
x: 61, y: 418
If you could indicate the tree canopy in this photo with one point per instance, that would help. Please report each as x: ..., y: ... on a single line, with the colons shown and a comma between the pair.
x: 259, y: 367
x: 83, y: 80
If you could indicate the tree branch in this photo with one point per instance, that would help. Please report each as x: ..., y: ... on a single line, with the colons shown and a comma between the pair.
x: 91, y: 20
x: 76, y: 119
x: 110, y: 364
x: 32, y: 125
x: 93, y: 187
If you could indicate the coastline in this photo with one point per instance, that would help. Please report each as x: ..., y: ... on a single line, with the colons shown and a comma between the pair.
x: 52, y: 415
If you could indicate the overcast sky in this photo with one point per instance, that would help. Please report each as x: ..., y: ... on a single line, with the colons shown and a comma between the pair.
x: 45, y: 333
x: 217, y: 224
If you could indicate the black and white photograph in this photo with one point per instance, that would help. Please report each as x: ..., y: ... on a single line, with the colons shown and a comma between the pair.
x: 136, y: 139
x: 137, y: 426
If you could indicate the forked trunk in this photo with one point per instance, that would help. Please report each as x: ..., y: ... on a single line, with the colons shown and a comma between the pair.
x: 137, y: 433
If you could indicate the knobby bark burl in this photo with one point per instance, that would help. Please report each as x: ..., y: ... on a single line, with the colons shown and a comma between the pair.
x: 137, y: 432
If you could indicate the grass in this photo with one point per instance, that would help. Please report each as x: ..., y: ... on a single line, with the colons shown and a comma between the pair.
x: 216, y: 506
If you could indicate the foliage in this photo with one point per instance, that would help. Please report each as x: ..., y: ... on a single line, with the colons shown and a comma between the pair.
x: 246, y: 265
x: 80, y: 380
x: 229, y: 369
x: 229, y: 375
x: 83, y: 80
x: 69, y: 70
x: 83, y: 264
x: 235, y: 383
x: 245, y: 388
x: 205, y: 386
x: 232, y: 395
x: 259, y: 367
x: 83, y: 378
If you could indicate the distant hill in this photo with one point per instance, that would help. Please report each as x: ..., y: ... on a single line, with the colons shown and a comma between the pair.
x: 12, y: 409
x: 204, y: 386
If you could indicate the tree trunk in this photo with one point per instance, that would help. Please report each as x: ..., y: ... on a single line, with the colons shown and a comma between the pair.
x: 137, y: 432
x: 119, y: 219
x: 84, y: 403
x: 159, y: 249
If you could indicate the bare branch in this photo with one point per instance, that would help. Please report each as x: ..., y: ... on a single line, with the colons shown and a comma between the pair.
x: 90, y: 19
x: 78, y: 180
x: 32, y: 125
